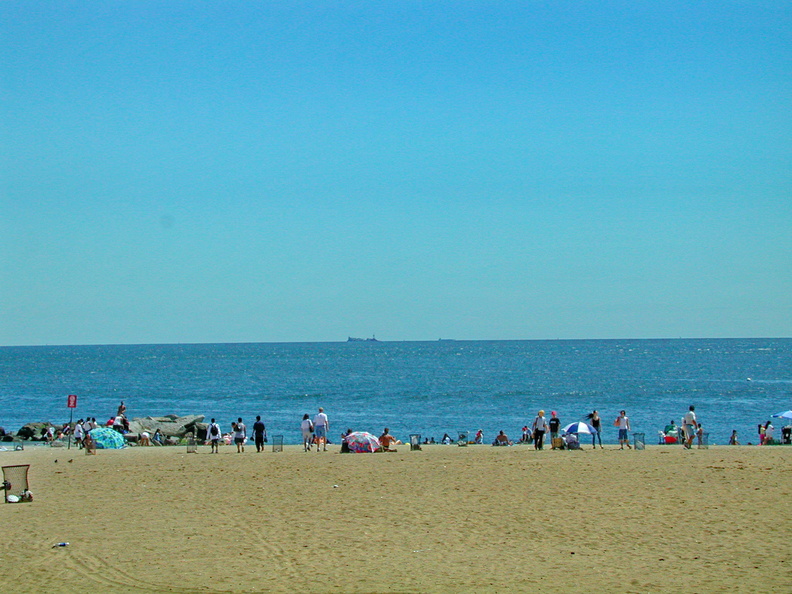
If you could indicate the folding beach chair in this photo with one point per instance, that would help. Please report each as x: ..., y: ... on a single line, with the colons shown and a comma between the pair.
x: 277, y: 443
x: 415, y: 441
x: 15, y: 482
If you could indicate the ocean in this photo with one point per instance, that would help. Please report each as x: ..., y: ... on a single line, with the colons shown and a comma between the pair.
x: 430, y: 388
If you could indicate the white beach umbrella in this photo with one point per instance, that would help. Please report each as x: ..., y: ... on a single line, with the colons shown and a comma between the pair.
x: 579, y: 428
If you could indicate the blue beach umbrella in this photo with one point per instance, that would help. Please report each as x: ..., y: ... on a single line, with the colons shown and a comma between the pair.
x: 784, y: 415
x: 579, y: 427
x: 107, y: 438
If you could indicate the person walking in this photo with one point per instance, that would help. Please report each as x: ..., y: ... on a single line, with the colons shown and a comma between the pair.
x: 690, y: 426
x: 321, y: 427
x: 596, y: 423
x: 539, y: 428
x: 623, y: 423
x: 240, y: 435
x: 307, y: 429
x: 259, y: 434
x: 213, y: 435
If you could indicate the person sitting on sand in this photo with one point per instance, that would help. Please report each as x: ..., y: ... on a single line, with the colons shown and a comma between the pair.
x: 671, y: 430
x: 733, y: 438
x: 446, y: 439
x: 501, y: 439
x: 157, y: 439
x: 479, y: 437
x: 344, y: 443
x: 387, y: 440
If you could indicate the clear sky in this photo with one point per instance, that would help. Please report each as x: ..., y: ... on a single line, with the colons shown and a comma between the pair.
x: 306, y: 171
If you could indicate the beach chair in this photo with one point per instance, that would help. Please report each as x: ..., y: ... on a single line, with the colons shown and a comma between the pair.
x: 277, y: 443
x: 15, y: 483
x: 639, y: 441
x: 415, y: 441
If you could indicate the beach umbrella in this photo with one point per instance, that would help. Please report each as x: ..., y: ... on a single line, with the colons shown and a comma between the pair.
x: 784, y: 415
x: 579, y: 428
x: 107, y: 438
x: 361, y: 442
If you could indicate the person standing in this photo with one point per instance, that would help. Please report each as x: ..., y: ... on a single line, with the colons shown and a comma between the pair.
x: 596, y: 423
x: 554, y: 423
x: 321, y: 427
x: 79, y: 433
x: 213, y: 435
x: 259, y: 434
x: 539, y: 427
x: 623, y: 423
x: 690, y: 426
x: 307, y: 428
x: 240, y: 435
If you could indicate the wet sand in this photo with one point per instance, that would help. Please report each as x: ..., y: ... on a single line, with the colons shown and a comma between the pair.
x: 444, y: 519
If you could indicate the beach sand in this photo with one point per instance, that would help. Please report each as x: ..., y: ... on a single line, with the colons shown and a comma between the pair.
x: 444, y: 519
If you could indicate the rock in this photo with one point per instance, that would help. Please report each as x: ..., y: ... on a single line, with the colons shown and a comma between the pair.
x: 34, y: 431
x: 169, y: 426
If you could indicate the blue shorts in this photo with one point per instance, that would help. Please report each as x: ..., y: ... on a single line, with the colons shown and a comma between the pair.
x: 623, y: 435
x: 321, y: 431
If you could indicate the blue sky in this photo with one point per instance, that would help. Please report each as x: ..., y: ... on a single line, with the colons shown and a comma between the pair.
x: 305, y: 171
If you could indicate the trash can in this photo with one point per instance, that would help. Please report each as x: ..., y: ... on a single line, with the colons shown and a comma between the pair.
x: 415, y: 441
x: 639, y: 441
x: 277, y: 443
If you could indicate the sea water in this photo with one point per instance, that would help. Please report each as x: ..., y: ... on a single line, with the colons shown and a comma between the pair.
x: 430, y: 388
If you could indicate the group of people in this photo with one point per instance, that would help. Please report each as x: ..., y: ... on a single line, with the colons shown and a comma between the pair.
x: 314, y: 431
x: 541, y: 426
x: 767, y: 434
x: 238, y: 435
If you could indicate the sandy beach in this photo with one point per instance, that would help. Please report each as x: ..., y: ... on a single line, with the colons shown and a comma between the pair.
x: 443, y: 519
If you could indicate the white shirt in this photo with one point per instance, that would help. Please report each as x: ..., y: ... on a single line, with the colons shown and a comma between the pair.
x: 306, y: 426
x: 321, y: 419
x: 540, y: 424
x: 690, y: 418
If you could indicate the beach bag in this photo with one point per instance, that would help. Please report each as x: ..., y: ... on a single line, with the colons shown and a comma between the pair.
x: 558, y: 443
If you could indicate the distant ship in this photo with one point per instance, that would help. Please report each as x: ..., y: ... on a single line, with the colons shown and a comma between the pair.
x: 353, y: 339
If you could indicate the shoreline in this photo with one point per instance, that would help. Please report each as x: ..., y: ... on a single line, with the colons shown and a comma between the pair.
x: 442, y: 519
